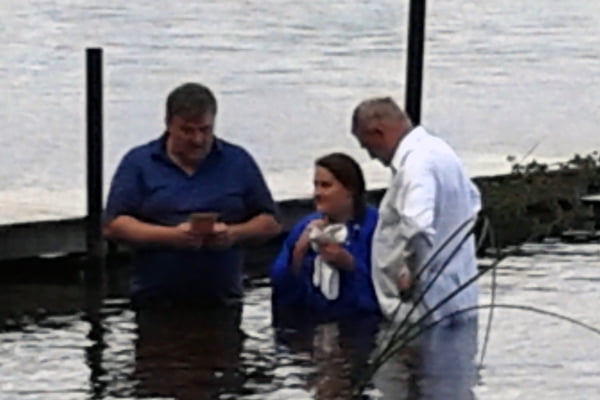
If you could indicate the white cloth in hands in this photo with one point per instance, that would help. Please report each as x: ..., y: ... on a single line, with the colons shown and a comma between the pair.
x: 326, y: 277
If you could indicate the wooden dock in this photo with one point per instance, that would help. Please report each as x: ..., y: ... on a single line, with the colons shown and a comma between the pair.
x: 42, y: 238
x: 67, y: 236
x: 594, y: 201
x: 64, y: 236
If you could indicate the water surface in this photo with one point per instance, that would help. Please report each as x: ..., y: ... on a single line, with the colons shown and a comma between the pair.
x: 56, y: 343
x: 500, y: 78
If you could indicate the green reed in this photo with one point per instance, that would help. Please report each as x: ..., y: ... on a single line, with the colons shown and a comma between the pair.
x: 401, y: 335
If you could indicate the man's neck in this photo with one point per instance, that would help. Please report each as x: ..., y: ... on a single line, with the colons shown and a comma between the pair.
x: 404, y: 132
x: 186, y: 166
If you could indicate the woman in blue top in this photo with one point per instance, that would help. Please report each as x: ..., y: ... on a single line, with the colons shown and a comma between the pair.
x: 324, y: 267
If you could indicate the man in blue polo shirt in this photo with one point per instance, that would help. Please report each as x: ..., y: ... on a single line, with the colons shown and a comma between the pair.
x: 159, y: 184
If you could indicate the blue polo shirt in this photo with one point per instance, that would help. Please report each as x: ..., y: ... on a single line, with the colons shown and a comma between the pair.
x: 148, y: 186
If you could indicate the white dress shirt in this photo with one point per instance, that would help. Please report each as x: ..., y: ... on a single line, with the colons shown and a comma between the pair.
x: 429, y: 196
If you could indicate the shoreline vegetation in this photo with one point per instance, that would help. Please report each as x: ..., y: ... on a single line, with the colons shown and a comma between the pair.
x: 537, y: 200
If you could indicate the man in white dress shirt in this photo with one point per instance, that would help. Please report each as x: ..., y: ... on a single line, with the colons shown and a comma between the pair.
x: 429, y: 197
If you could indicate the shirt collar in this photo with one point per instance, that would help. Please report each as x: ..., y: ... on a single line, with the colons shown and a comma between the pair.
x: 354, y: 224
x: 159, y: 147
x: 407, y: 144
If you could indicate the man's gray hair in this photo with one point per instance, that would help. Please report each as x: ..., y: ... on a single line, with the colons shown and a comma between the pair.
x: 377, y: 108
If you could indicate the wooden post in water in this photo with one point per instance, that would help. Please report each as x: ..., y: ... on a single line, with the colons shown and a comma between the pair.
x: 94, y: 239
x: 414, y: 60
x: 94, y: 274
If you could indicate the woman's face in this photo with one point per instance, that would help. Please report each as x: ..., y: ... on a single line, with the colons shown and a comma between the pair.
x: 331, y: 197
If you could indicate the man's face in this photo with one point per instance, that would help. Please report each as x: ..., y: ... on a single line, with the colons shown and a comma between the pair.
x: 191, y: 139
x: 371, y: 138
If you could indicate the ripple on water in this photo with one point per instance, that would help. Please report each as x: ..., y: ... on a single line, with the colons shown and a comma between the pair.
x: 74, y: 356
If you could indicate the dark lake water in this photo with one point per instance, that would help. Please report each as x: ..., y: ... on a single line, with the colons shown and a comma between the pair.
x: 56, y: 343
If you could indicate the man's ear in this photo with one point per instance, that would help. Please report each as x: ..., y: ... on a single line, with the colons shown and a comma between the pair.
x: 378, y: 129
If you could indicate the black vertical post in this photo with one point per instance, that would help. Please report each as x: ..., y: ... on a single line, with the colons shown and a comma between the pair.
x: 94, y: 239
x: 94, y: 274
x: 414, y: 60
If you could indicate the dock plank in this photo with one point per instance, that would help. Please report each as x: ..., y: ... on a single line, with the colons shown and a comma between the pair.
x: 31, y: 239
x: 591, y: 198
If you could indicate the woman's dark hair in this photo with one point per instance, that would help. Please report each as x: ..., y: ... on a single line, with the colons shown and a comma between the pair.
x: 347, y: 171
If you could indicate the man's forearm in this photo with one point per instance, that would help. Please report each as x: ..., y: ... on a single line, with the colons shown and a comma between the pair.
x: 261, y: 227
x: 132, y: 231
x: 418, y: 249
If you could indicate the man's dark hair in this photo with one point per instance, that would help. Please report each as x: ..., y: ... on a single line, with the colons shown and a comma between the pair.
x: 190, y: 101
x: 348, y: 172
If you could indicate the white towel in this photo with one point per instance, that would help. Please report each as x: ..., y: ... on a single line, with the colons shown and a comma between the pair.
x: 326, y: 277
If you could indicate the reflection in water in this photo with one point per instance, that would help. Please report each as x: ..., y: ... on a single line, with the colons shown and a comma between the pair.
x: 94, y: 352
x: 188, y: 353
x: 447, y: 366
x: 191, y: 353
x: 94, y: 293
x: 439, y: 365
x: 105, y: 350
x: 338, y: 349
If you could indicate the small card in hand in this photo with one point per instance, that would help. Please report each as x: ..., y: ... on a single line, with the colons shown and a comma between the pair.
x: 203, y: 222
